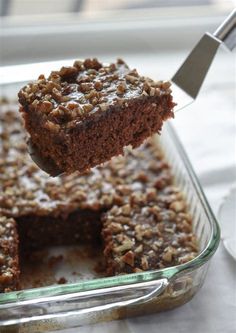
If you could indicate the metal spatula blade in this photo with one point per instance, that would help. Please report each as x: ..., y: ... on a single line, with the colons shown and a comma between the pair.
x: 44, y: 163
x: 187, y: 81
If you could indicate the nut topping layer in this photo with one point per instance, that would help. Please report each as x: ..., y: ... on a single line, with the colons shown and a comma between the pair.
x: 73, y: 93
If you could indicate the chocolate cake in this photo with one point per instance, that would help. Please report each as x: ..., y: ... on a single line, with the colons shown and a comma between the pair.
x: 83, y: 115
x: 152, y: 231
x: 129, y: 206
x: 9, y: 259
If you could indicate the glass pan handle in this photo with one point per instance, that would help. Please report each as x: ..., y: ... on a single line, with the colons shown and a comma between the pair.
x: 81, y: 306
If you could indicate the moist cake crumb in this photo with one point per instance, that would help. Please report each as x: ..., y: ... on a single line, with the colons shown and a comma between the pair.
x: 62, y: 280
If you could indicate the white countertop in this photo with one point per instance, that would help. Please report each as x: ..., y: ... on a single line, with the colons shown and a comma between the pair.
x: 207, y: 129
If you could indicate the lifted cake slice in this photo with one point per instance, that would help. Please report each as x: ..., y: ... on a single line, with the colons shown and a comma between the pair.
x: 82, y: 116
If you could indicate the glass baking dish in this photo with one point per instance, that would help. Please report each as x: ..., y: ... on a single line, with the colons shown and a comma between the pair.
x: 71, y: 305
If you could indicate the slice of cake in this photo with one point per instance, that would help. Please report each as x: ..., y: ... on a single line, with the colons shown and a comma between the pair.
x: 81, y: 116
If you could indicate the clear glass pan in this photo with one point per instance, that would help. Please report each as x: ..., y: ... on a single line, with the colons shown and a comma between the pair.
x: 57, y: 307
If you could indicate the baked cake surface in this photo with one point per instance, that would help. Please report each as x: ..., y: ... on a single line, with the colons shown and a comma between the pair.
x: 130, y: 205
x: 83, y: 115
x: 9, y: 258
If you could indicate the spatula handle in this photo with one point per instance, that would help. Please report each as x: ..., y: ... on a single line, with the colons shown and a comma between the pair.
x: 226, y: 32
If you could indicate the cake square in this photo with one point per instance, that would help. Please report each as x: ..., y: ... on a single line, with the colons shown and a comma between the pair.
x: 83, y: 115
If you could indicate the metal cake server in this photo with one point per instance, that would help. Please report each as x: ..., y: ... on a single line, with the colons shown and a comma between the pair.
x: 187, y: 81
